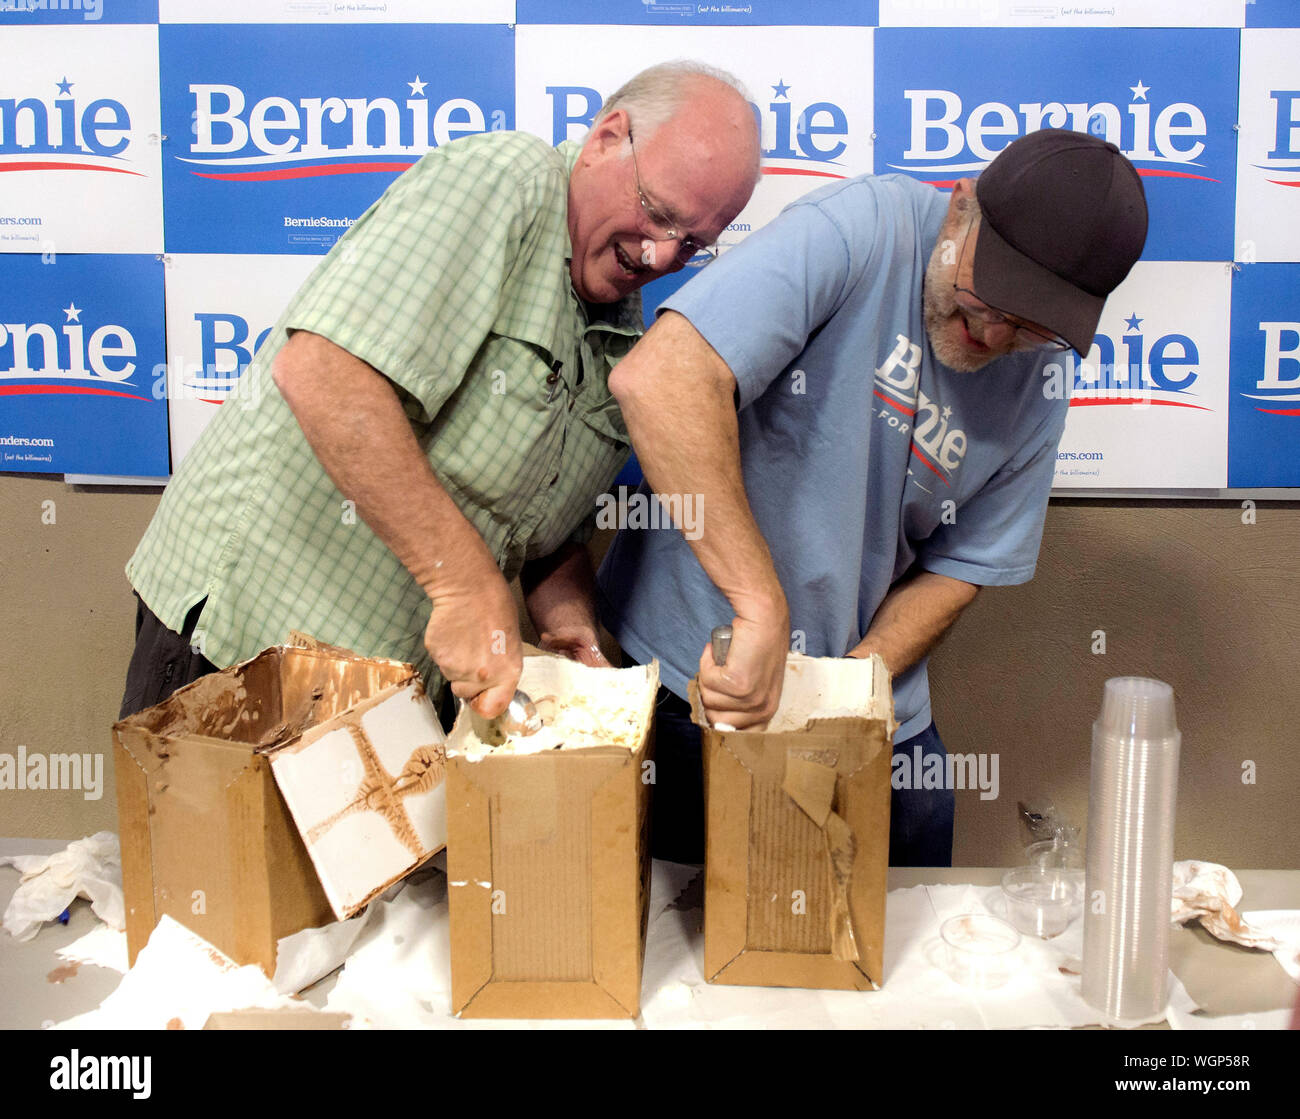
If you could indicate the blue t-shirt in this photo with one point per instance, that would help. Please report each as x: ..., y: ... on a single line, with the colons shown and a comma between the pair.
x: 864, y: 456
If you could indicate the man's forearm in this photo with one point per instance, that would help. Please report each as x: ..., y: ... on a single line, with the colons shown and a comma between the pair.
x: 351, y: 416
x: 560, y: 596
x: 560, y: 589
x: 678, y: 400
x: 914, y: 615
x: 357, y: 428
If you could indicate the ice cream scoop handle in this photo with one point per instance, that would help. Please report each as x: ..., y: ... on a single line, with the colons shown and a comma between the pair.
x: 720, y: 639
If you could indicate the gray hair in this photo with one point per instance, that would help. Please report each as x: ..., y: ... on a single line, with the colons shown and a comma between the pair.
x: 652, y: 97
x: 964, y: 211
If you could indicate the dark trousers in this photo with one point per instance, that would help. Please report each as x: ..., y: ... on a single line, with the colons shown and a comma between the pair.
x: 920, y: 820
x: 162, y: 661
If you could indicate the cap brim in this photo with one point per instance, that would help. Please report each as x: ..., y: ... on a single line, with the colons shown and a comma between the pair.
x: 1010, y: 282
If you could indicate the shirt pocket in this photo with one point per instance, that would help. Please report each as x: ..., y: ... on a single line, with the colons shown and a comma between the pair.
x: 493, y: 441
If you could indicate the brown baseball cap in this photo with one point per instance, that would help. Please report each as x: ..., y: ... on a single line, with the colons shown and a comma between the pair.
x: 1064, y: 217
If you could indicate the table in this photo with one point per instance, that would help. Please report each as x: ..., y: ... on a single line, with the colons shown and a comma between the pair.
x: 1223, y: 978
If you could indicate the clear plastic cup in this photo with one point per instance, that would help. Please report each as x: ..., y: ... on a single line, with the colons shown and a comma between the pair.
x: 980, y: 950
x: 1042, y: 901
x: 1135, y: 707
x: 1132, y: 801
x: 1056, y: 853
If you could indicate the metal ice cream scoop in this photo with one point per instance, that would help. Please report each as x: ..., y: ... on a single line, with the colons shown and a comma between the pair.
x: 519, y: 717
x: 720, y: 639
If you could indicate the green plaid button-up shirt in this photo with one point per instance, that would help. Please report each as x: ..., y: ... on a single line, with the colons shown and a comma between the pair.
x: 455, y: 285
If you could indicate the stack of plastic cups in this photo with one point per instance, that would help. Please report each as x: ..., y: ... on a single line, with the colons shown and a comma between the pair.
x: 1135, y: 744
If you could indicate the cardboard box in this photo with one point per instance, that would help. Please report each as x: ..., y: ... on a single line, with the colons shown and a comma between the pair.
x: 208, y: 839
x: 548, y: 857
x: 797, y: 837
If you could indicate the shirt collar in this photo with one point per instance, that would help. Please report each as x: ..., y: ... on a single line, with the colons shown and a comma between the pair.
x: 569, y: 151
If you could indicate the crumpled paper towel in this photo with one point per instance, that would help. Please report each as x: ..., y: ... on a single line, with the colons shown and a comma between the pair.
x: 310, y: 954
x: 89, y: 868
x: 1180, y: 1019
x: 178, y: 980
x: 302, y: 958
x: 1284, y: 926
x: 1210, y: 891
x: 102, y: 946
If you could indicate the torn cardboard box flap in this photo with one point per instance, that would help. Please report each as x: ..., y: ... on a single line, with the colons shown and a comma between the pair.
x: 798, y: 832
x: 207, y: 837
x: 366, y: 791
x: 548, y: 861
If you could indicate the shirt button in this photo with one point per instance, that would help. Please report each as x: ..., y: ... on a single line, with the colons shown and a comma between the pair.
x: 551, y: 378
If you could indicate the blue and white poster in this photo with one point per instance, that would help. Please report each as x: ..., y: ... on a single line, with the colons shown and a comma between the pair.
x: 243, y: 137
x: 278, y: 139
x: 1264, y: 401
x: 79, y: 144
x: 701, y: 13
x: 810, y: 91
x: 82, y: 385
x: 78, y: 12
x: 1148, y: 404
x: 1272, y: 13
x: 220, y: 308
x: 948, y: 101
x: 336, y: 11
x: 1268, y: 152
x: 1064, y: 13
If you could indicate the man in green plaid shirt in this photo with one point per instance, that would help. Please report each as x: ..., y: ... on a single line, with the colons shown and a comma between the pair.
x: 430, y: 416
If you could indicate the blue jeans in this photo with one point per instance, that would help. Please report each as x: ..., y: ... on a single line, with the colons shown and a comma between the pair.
x: 920, y: 820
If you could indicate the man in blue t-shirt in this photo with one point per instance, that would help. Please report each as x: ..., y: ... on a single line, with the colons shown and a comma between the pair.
x: 857, y: 406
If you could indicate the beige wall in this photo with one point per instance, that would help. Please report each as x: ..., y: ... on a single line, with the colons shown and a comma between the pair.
x: 65, y: 640
x: 1184, y: 592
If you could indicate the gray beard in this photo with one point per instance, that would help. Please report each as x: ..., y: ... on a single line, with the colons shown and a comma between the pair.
x: 938, y: 305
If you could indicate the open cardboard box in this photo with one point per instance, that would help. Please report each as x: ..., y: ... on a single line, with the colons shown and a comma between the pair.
x: 208, y: 839
x: 548, y: 860
x: 797, y: 836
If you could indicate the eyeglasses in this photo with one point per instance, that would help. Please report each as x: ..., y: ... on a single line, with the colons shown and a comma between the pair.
x: 688, y: 245
x: 1026, y: 336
